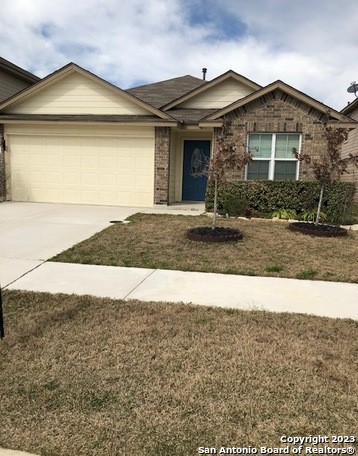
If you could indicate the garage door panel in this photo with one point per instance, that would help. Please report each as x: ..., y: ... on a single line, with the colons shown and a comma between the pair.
x: 142, y: 183
x: 55, y: 195
x: 37, y: 161
x: 107, y: 180
x: 107, y: 162
x: 20, y: 160
x: 126, y: 163
x: 89, y: 196
x: 89, y: 179
x: 37, y: 177
x: 71, y: 161
x: 70, y: 178
x: 89, y: 161
x: 72, y: 195
x: 93, y: 170
x: 54, y: 179
x: 107, y: 197
x: 54, y: 160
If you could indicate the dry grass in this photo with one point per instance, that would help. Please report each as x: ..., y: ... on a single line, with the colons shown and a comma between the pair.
x: 87, y: 376
x: 268, y: 249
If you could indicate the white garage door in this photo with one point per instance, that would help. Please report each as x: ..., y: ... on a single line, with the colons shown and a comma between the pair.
x: 109, y: 170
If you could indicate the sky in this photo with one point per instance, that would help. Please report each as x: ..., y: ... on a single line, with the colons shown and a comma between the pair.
x: 311, y: 45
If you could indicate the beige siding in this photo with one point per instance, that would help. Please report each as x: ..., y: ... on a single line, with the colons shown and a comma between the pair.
x: 10, y: 84
x: 98, y: 165
x: 219, y: 96
x: 351, y: 147
x: 77, y: 94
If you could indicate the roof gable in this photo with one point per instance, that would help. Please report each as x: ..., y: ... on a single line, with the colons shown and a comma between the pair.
x: 285, y: 90
x: 210, y: 94
x: 73, y: 90
x: 161, y: 93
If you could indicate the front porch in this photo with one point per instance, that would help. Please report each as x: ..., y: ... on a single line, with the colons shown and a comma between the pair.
x: 180, y: 160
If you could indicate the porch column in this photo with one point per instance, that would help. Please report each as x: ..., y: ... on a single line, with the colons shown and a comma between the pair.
x: 2, y: 165
x: 162, y: 165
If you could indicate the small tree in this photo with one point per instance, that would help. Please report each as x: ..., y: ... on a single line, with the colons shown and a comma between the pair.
x: 329, y: 166
x: 231, y: 155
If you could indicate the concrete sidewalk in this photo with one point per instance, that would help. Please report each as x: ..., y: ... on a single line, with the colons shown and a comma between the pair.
x: 329, y: 299
x: 4, y: 452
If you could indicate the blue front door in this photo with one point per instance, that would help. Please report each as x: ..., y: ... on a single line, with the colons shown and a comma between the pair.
x: 196, y: 159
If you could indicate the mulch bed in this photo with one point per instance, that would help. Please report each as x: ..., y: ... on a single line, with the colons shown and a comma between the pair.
x: 218, y: 234
x: 318, y: 230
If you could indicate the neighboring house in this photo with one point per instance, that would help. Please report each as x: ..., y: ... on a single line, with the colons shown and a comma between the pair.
x: 351, y: 146
x: 13, y: 79
x: 75, y: 138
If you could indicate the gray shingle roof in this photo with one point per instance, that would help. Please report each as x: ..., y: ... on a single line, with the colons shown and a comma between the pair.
x: 19, y: 72
x: 190, y: 116
x: 161, y: 93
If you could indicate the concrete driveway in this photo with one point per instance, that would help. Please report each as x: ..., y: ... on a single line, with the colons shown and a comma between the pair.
x: 31, y: 233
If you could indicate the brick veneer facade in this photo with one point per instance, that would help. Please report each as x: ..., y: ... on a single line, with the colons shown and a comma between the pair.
x: 278, y: 112
x: 2, y: 166
x: 162, y: 165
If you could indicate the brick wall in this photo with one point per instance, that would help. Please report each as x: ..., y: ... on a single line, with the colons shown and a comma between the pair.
x: 2, y: 166
x: 162, y: 165
x: 278, y: 112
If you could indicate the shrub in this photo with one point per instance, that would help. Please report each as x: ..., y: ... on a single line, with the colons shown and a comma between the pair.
x: 235, y: 206
x: 284, y: 214
x: 310, y: 216
x: 266, y: 196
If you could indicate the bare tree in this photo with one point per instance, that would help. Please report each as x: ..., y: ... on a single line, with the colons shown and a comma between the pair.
x: 330, y: 165
x: 231, y: 155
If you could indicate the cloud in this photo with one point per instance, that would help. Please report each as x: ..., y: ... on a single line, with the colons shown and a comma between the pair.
x: 310, y: 45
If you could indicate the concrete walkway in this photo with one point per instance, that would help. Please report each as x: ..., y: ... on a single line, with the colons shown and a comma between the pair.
x: 329, y: 299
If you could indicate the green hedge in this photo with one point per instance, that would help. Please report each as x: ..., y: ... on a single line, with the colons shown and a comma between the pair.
x: 264, y: 197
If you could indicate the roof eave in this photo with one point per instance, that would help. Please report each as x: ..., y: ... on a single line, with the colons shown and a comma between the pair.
x: 350, y: 107
x: 351, y: 125
x: 154, y: 123
x: 18, y: 71
x: 211, y: 123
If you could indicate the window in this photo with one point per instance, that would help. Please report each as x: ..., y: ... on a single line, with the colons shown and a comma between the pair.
x: 272, y: 156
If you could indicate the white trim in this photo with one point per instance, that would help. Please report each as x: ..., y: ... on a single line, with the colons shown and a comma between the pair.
x: 272, y: 159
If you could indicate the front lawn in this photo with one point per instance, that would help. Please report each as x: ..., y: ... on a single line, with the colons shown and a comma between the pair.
x: 268, y: 249
x: 86, y: 376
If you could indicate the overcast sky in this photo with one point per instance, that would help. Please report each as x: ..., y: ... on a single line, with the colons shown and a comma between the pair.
x: 309, y: 44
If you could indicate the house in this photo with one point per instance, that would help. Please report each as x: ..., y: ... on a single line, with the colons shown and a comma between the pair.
x: 351, y: 146
x: 75, y: 138
x: 13, y: 79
